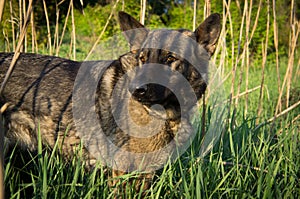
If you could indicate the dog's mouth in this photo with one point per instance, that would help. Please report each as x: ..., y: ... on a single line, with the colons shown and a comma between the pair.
x: 152, y: 100
x: 159, y: 101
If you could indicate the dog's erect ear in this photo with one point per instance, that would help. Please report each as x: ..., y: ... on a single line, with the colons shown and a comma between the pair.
x: 208, y: 33
x: 133, y: 30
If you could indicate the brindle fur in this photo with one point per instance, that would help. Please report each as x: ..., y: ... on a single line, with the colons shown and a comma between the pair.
x: 39, y: 94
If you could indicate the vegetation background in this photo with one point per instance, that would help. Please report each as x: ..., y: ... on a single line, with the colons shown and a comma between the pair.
x: 258, y: 59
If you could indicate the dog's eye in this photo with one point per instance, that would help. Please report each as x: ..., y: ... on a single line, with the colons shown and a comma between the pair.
x: 171, y: 59
x: 142, y: 58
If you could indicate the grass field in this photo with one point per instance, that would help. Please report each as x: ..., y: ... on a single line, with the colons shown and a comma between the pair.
x: 257, y: 155
x: 249, y: 161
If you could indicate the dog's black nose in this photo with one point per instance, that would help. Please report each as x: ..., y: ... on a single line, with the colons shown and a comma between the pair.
x: 139, y: 91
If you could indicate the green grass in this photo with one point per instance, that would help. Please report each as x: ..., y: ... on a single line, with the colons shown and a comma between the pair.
x: 250, y: 161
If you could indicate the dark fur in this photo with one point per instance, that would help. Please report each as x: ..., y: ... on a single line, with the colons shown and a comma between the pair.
x: 39, y: 93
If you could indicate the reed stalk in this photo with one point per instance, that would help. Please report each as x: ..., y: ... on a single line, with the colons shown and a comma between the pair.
x: 275, y: 27
x: 264, y: 60
x: 48, y: 28
x: 12, y: 25
x: 143, y: 11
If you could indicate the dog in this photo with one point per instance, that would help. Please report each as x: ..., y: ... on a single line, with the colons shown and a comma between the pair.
x: 50, y: 96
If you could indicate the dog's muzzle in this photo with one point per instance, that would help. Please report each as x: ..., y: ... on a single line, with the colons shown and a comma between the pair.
x: 149, y: 93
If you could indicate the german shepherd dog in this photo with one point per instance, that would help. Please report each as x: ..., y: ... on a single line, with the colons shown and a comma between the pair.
x: 43, y: 93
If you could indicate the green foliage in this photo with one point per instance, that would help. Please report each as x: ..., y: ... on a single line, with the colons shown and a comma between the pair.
x: 181, y: 16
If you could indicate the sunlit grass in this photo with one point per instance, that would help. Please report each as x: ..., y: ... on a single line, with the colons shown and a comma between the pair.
x: 248, y: 162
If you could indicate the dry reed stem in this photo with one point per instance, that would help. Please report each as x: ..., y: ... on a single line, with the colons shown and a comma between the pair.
x: 292, y: 46
x: 260, y: 98
x: 207, y: 8
x: 242, y: 68
x: 273, y: 119
x: 48, y: 28
x: 203, y: 119
x: 264, y: 60
x: 233, y: 71
x: 284, y: 112
x: 2, y: 4
x: 246, y: 92
x: 221, y: 47
x: 275, y: 27
x: 73, y: 40
x: 297, y: 73
x: 20, y: 20
x: 242, y: 57
x: 12, y: 25
x: 295, y: 120
x: 103, y: 30
x: 143, y: 11
x: 249, y: 91
x: 32, y: 32
x: 195, y: 14
x: 64, y: 29
x: 238, y: 4
x: 26, y: 20
x: 227, y: 6
x: 294, y: 33
x: 123, y: 5
x: 56, y: 33
x: 291, y: 53
x: 245, y: 54
x: 248, y: 20
x: 256, y: 20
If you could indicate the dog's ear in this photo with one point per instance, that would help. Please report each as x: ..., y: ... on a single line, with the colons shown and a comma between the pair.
x: 133, y: 30
x: 207, y: 34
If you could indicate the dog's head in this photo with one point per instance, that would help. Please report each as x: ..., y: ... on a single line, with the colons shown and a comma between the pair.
x: 158, y: 57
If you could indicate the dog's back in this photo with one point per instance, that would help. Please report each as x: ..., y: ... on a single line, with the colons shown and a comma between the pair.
x: 38, y: 95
